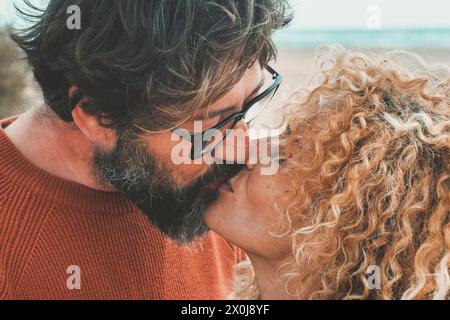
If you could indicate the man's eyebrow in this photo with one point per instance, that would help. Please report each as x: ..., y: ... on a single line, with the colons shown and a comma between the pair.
x: 216, y: 113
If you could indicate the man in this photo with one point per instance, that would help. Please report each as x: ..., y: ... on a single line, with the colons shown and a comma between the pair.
x: 92, y: 204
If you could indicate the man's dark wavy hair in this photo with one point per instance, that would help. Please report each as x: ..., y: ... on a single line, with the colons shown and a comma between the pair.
x: 148, y: 63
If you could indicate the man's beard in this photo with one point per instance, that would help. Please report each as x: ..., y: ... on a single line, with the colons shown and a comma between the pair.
x: 176, y: 211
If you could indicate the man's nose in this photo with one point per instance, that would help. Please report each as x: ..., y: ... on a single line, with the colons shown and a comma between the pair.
x: 235, y: 148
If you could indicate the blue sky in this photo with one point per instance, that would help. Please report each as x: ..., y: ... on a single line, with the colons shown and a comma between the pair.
x: 332, y: 14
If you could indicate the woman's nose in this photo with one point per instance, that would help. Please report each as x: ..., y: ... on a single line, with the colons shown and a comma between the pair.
x: 235, y: 148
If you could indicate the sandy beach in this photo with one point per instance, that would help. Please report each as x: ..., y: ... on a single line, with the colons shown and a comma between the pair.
x: 298, y: 65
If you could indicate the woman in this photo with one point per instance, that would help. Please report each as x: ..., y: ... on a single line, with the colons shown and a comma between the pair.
x: 361, y: 206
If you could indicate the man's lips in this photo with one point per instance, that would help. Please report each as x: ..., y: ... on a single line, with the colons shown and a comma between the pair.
x: 215, y: 186
x: 222, y: 180
x: 227, y: 186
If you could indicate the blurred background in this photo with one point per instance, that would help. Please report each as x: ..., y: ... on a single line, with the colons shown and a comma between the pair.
x: 419, y: 26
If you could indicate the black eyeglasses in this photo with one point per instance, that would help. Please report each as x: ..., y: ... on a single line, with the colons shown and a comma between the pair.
x: 206, y: 141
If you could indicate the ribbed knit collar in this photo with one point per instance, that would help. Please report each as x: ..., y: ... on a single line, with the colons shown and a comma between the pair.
x: 21, y: 172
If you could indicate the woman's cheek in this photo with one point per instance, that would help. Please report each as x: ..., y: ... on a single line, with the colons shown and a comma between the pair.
x: 271, y: 222
x: 262, y: 232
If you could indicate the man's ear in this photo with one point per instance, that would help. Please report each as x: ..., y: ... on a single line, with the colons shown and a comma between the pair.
x: 91, y: 128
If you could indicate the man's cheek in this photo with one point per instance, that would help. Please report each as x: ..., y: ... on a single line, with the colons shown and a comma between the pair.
x: 170, y: 151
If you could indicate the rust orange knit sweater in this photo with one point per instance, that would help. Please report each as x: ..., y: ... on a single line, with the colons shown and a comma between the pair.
x: 48, y: 224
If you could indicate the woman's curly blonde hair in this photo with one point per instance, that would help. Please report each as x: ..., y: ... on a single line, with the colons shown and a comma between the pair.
x: 368, y: 155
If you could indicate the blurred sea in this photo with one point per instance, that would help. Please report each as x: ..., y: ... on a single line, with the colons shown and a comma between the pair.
x: 365, y: 38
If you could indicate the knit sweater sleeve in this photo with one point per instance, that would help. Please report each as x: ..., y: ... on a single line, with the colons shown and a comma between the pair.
x: 19, y: 232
